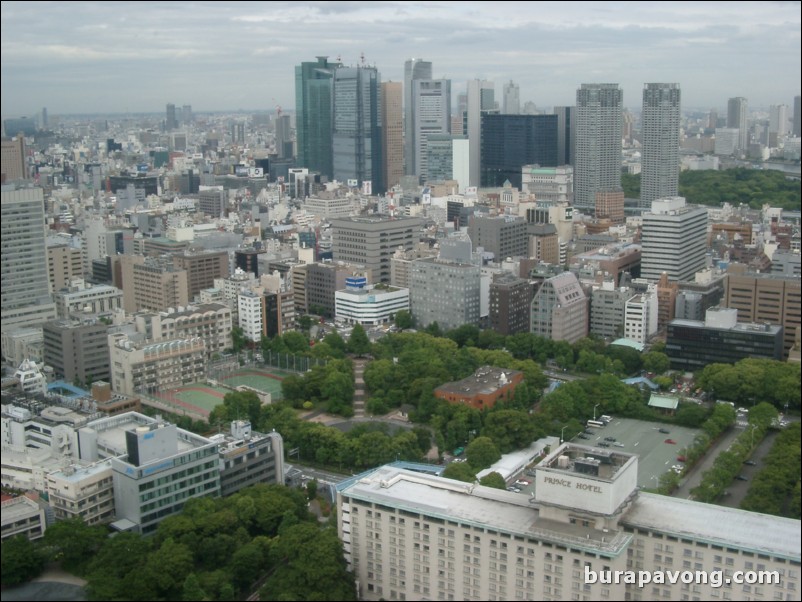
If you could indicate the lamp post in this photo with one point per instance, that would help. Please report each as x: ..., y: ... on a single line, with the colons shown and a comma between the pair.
x: 561, y: 433
x: 594, y: 410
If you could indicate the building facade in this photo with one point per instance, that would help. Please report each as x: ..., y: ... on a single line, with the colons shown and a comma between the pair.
x: 737, y: 113
x: 674, y: 240
x: 432, y: 115
x: 444, y: 291
x: 660, y: 125
x: 504, y: 236
x: 510, y: 300
x: 414, y: 69
x: 77, y: 350
x: 509, y: 142
x: 559, y: 309
x: 359, y: 303
x: 314, y: 112
x: 392, y: 111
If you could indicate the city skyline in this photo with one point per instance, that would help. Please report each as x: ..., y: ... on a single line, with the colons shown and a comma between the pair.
x: 135, y: 57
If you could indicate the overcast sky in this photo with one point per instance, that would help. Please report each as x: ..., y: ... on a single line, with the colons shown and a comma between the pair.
x: 86, y: 57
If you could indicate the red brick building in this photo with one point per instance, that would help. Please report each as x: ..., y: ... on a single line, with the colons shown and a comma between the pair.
x: 483, y: 389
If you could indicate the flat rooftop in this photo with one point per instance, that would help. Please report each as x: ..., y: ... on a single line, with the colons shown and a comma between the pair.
x: 718, y: 525
x: 485, y: 380
x: 476, y: 505
x: 111, y: 433
x: 585, y: 460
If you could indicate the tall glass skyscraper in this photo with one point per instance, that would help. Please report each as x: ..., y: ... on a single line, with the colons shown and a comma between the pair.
x: 511, y: 141
x: 736, y: 118
x: 414, y: 69
x: 660, y: 142
x: 598, y: 142
x: 314, y: 111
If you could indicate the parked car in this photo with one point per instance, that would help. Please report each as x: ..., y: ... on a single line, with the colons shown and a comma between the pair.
x: 583, y: 436
x: 671, y: 442
x: 618, y: 444
x: 740, y: 477
x: 514, y: 489
x: 664, y: 431
x: 603, y: 444
x: 682, y: 459
x: 522, y: 482
x: 611, y: 439
x: 750, y: 462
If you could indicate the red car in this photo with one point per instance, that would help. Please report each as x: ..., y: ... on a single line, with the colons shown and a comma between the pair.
x: 671, y: 442
x: 681, y: 459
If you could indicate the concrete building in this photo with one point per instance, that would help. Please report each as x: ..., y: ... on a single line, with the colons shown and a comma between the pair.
x: 544, y: 244
x: 202, y: 268
x: 440, y: 157
x: 640, y: 316
x: 660, y: 130
x: 248, y: 458
x: 83, y: 491
x: 598, y: 142
x: 360, y: 303
x: 503, y: 235
x: 64, y: 262
x: 765, y: 298
x: 737, y: 113
x: 392, y: 111
x: 444, y: 291
x: 12, y: 159
x: 608, y: 310
x: 153, y: 283
x: 727, y: 140
x: 559, y: 309
x: 401, y: 263
x: 211, y: 322
x: 77, y: 350
x: 25, y: 294
x: 610, y: 205
x: 414, y: 69
x: 82, y: 298
x: 212, y: 202
x: 465, y: 541
x: 328, y: 208
x: 673, y: 240
x: 371, y: 241
x: 720, y: 338
x: 153, y: 367
x: 22, y: 516
x: 510, y: 300
x: 481, y: 98
x: 566, y: 135
x: 482, y: 389
x: 21, y: 343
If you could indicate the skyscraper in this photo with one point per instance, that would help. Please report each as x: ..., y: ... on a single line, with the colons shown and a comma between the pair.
x: 778, y: 119
x: 393, y: 130
x: 797, y: 116
x: 356, y: 135
x: 413, y: 69
x: 314, y: 111
x: 511, y: 141
x: 171, y: 122
x: 431, y: 115
x: 598, y: 142
x: 673, y: 239
x: 566, y: 135
x: 481, y: 98
x: 25, y: 294
x: 512, y: 99
x: 736, y: 118
x: 660, y: 142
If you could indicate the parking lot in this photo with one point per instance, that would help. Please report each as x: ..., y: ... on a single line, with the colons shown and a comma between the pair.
x: 656, y: 455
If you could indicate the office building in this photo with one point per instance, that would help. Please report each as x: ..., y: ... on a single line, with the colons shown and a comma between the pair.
x: 544, y: 244
x: 503, y: 235
x: 566, y: 135
x: 356, y: 131
x: 766, y: 298
x: 641, y: 316
x: 371, y: 241
x: 16, y: 125
x: 64, y: 263
x: 727, y: 140
x: 737, y: 109
x: 202, y: 267
x: 369, y: 305
x: 608, y: 309
x: 392, y: 111
x: 78, y: 351
x: 610, y: 205
x: 440, y: 157
x: 674, y: 240
x: 659, y: 142
x: 480, y: 99
x: 559, y: 309
x: 25, y: 294
x: 414, y: 69
x: 83, y: 298
x: 720, y: 338
x: 171, y: 122
x: 510, y: 142
x: 432, y: 115
x: 212, y: 202
x: 314, y: 112
x: 248, y: 458
x: 598, y: 142
x: 548, y: 184
x: 778, y: 120
x: 511, y: 99
x: 464, y: 541
x: 22, y: 516
x: 153, y: 283
x: 83, y: 491
x: 482, y: 389
x: 12, y: 160
x: 510, y: 299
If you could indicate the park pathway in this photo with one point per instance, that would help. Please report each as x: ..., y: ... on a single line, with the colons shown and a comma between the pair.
x: 359, y: 387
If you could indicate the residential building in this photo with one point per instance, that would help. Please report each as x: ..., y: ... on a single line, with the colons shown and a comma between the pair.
x: 360, y: 303
x: 510, y: 300
x: 503, y: 235
x: 371, y: 241
x: 356, y: 131
x: 414, y: 69
x: 510, y: 142
x: 737, y: 113
x: 482, y: 389
x: 25, y: 294
x: 392, y: 111
x: 314, y: 112
x: 64, y: 262
x: 154, y: 283
x: 673, y: 239
x: 83, y: 298
x: 660, y: 125
x: 467, y: 541
x: 445, y: 291
x: 559, y: 309
x: 77, y: 350
x: 598, y: 142
x: 548, y: 184
x: 720, y: 338
x: 251, y: 314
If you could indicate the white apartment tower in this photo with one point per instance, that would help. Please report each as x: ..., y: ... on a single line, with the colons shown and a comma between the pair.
x: 673, y: 239
x: 660, y: 142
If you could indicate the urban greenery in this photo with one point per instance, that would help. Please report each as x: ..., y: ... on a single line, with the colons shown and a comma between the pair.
x: 776, y: 488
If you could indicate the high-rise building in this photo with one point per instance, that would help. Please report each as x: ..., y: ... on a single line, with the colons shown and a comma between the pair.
x: 509, y: 142
x: 25, y: 292
x: 356, y: 131
x: 283, y: 137
x: 393, y: 130
x: 202, y: 267
x: 314, y: 113
x: 440, y: 160
x: 12, y: 160
x: 414, y: 69
x: 481, y: 98
x: 445, y: 291
x: 598, y: 142
x: 431, y: 115
x: 559, y: 309
x: 736, y: 118
x: 797, y: 116
x: 171, y: 123
x: 64, y: 262
x: 778, y: 119
x: 77, y: 350
x: 727, y: 140
x: 186, y: 115
x: 510, y: 298
x: 503, y: 235
x: 566, y: 135
x: 673, y: 239
x: 512, y: 99
x: 659, y: 142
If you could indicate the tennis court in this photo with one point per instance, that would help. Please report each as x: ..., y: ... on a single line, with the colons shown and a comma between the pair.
x: 269, y: 382
x: 199, y: 397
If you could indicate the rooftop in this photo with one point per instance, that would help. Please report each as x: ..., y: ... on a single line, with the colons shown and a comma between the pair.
x: 486, y: 379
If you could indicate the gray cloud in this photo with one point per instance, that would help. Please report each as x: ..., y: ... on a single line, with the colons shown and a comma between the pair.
x: 107, y: 57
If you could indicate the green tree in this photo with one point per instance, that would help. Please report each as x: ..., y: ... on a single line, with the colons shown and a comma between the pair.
x: 122, y: 555
x: 296, y: 342
x: 305, y: 323
x: 403, y: 319
x: 358, y: 343
x: 192, y: 589
x: 237, y: 339
x: 482, y: 452
x: 655, y: 361
x: 509, y: 429
x: 21, y: 561
x: 74, y: 542
x: 460, y: 471
x: 493, y: 479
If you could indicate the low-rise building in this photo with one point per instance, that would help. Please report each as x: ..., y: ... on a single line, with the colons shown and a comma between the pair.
x: 248, y: 458
x: 360, y: 303
x: 85, y: 492
x: 483, y: 388
x: 22, y: 516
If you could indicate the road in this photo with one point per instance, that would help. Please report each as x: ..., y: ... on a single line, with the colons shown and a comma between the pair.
x: 694, y: 477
